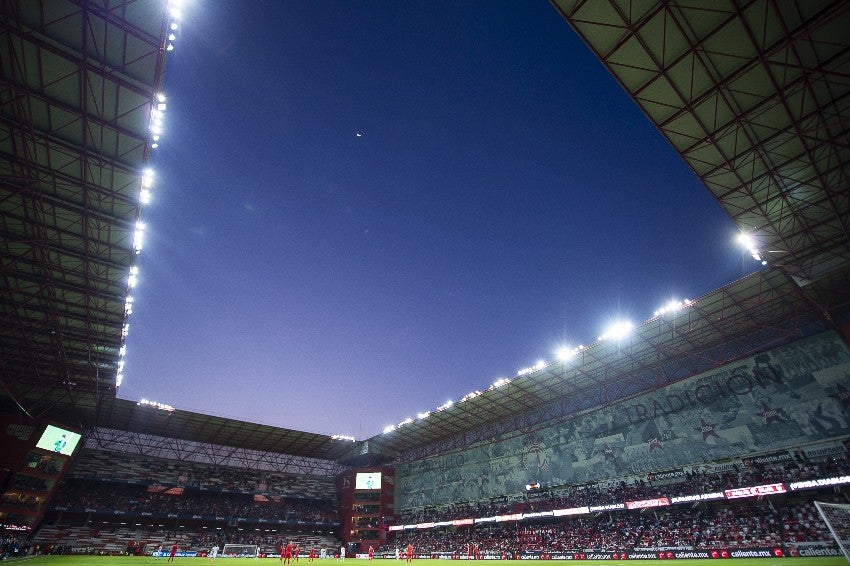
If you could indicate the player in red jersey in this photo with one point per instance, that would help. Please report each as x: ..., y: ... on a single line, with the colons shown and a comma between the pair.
x: 173, y: 552
x: 371, y: 552
x: 295, y: 552
x: 409, y: 558
x: 312, y: 554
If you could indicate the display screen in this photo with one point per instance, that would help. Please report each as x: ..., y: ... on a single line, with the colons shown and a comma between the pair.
x: 58, y: 440
x: 367, y: 480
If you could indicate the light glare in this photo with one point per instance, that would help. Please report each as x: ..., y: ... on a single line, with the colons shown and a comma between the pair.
x: 618, y: 330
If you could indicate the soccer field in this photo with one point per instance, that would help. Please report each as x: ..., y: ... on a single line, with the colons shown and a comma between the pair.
x: 148, y: 561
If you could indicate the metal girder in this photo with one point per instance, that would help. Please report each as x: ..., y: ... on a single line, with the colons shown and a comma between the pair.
x: 189, y: 451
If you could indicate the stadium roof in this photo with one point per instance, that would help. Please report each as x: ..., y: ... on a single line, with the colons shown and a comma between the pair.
x: 77, y: 85
x: 754, y: 96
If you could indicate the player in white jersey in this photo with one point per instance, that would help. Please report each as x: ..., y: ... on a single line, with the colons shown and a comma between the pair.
x: 214, y: 552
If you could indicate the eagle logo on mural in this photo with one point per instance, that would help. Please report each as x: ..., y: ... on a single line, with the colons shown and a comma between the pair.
x: 535, y: 458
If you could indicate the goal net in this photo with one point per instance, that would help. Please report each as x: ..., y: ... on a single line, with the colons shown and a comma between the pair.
x: 837, y: 518
x: 241, y: 550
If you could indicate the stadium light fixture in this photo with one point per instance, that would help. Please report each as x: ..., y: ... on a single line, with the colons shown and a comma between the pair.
x: 133, y: 279
x: 747, y: 242
x: 343, y: 437
x: 445, y: 405
x: 525, y: 371
x: 470, y: 395
x: 672, y: 306
x: 423, y: 415
x: 499, y: 383
x: 617, y: 331
x: 389, y: 428
x: 565, y: 353
x: 139, y: 236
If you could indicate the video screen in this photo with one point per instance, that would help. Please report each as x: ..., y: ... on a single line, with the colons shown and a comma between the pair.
x: 58, y: 440
x: 367, y: 480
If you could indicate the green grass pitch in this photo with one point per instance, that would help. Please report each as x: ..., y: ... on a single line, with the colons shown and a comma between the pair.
x: 148, y: 561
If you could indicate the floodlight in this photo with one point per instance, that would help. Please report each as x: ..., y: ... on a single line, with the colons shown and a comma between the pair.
x: 500, y: 382
x: 673, y: 306
x: 170, y: 47
x: 139, y: 236
x: 618, y: 330
x: 445, y: 405
x: 565, y: 353
x: 747, y: 242
x: 540, y: 365
x: 389, y: 428
x: 424, y: 415
x: 160, y: 97
x: 406, y: 421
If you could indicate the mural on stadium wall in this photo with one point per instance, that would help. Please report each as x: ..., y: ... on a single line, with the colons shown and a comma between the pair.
x: 796, y: 394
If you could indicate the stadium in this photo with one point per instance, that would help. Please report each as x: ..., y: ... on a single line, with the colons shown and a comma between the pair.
x: 717, y: 429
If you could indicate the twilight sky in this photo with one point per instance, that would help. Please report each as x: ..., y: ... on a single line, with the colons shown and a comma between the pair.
x: 505, y: 196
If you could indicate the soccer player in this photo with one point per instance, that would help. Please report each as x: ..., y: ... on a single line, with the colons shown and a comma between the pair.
x: 296, y: 551
x: 312, y: 554
x: 286, y: 555
x: 371, y: 552
x: 342, y: 553
x: 158, y: 552
x: 173, y: 552
x: 323, y: 553
x: 397, y: 555
x: 409, y: 559
x: 257, y: 553
x: 214, y: 552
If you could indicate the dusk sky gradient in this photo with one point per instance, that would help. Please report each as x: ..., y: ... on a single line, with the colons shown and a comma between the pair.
x: 505, y: 197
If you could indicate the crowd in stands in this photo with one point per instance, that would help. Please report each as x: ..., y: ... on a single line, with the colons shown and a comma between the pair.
x: 758, y: 524
x: 688, y: 483
x: 751, y: 523
x: 108, y: 497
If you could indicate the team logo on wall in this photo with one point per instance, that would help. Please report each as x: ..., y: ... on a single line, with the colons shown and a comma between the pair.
x: 770, y: 414
x: 535, y: 458
x: 707, y: 429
